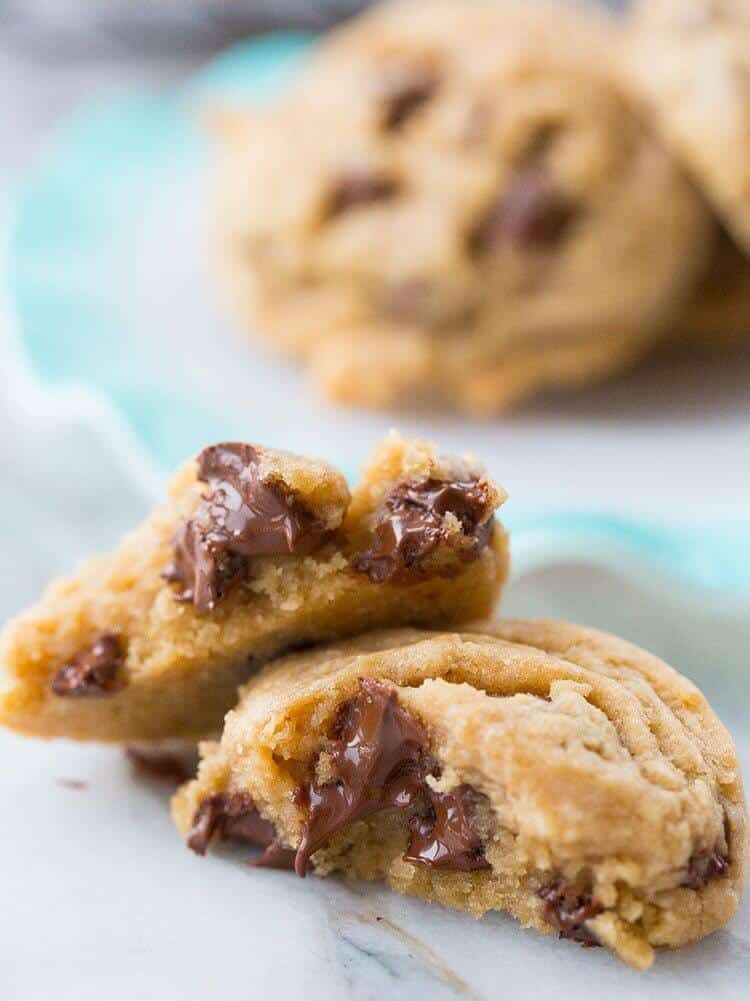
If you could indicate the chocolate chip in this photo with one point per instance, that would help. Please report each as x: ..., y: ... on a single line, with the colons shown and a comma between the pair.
x: 409, y: 301
x: 446, y: 838
x: 412, y: 526
x: 159, y: 765
x: 402, y: 90
x: 275, y: 856
x: 377, y: 759
x: 357, y: 187
x: 567, y: 909
x: 532, y: 212
x: 92, y: 672
x: 705, y: 866
x: 240, y: 516
x: 206, y: 822
x: 233, y: 817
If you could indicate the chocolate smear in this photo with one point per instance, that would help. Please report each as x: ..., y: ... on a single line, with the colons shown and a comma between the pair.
x: 234, y: 817
x: 377, y: 759
x: 533, y: 212
x: 360, y: 186
x: 446, y: 838
x: 160, y: 765
x: 412, y: 526
x: 92, y: 672
x: 241, y: 516
x: 567, y: 909
x: 404, y: 89
x: 705, y: 866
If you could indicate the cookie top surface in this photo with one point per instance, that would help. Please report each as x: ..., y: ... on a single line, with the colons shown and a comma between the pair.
x: 691, y: 59
x: 600, y: 760
x: 466, y: 170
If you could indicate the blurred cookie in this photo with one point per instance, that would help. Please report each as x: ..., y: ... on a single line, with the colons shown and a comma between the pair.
x: 257, y: 551
x: 691, y: 59
x: 457, y: 202
x: 538, y: 768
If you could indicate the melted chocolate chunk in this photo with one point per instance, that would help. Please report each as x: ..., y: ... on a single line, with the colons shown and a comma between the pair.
x: 93, y: 672
x: 704, y: 867
x: 240, y: 516
x: 358, y: 187
x: 566, y: 909
x: 159, y: 765
x: 412, y: 527
x: 275, y: 856
x: 377, y: 759
x: 403, y: 90
x: 233, y: 817
x: 532, y: 212
x: 446, y: 838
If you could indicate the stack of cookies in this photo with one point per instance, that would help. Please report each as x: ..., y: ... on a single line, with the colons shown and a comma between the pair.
x: 384, y: 727
x: 470, y: 203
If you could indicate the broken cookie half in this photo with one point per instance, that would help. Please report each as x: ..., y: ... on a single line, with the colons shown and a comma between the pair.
x: 538, y: 768
x: 256, y: 552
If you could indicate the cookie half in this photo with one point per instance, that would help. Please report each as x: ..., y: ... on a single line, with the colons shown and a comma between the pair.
x: 256, y: 552
x: 538, y: 768
x: 457, y: 202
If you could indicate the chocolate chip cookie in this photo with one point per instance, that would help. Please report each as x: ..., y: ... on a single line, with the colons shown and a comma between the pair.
x: 256, y: 552
x: 457, y: 202
x: 690, y: 60
x: 539, y: 768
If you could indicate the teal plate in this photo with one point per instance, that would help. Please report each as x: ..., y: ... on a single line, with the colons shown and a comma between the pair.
x: 106, y: 303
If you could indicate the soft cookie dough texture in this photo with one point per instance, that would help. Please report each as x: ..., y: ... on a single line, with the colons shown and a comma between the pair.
x: 256, y: 552
x: 690, y: 59
x: 456, y: 201
x: 539, y: 768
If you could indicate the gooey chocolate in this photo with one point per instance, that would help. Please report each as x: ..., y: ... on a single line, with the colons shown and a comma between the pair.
x: 378, y: 758
x: 412, y: 526
x: 567, y: 909
x: 531, y: 212
x: 234, y: 817
x: 402, y: 90
x: 92, y: 672
x: 240, y: 516
x: 446, y: 838
x: 357, y: 187
x: 705, y: 866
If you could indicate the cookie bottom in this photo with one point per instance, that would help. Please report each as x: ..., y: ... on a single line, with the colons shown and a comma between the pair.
x: 353, y: 362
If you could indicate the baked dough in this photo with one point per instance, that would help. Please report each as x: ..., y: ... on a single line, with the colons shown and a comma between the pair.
x: 539, y: 768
